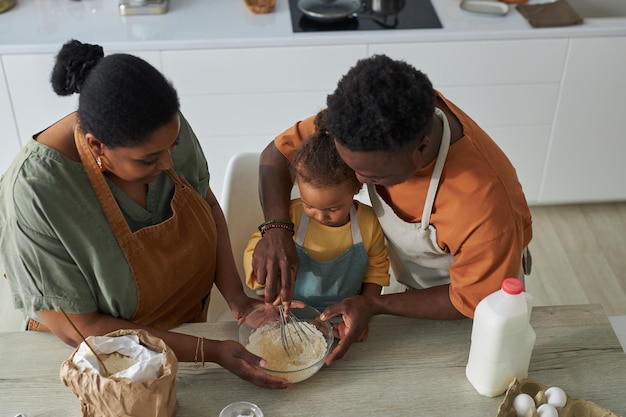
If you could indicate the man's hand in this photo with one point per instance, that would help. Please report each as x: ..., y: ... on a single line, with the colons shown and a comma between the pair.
x: 340, y: 331
x: 275, y: 264
x: 356, y: 312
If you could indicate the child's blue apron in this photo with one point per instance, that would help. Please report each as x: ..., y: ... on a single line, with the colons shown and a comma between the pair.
x: 320, y: 284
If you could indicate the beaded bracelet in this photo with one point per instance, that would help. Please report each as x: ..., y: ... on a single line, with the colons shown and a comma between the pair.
x: 276, y: 224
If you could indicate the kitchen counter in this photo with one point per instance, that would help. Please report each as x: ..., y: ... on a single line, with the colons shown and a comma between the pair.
x: 406, y: 367
x: 41, y: 26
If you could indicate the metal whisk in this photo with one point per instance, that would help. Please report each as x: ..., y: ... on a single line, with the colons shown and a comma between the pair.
x: 292, y: 329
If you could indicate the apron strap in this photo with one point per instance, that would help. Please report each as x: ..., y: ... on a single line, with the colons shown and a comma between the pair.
x: 100, y: 187
x: 354, y: 226
x: 303, y: 225
x: 434, y: 180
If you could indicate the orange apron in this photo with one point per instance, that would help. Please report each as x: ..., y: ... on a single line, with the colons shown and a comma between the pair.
x: 173, y: 263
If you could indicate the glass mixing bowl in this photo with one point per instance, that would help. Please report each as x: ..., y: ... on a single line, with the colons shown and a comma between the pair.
x: 309, y: 341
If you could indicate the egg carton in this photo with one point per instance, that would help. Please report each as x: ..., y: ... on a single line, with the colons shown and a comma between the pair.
x: 575, y: 407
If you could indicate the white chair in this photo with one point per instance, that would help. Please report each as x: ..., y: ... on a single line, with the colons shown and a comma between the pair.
x: 240, y: 203
x: 242, y: 209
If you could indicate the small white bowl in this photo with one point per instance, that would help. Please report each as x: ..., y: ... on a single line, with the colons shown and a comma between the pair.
x: 241, y: 408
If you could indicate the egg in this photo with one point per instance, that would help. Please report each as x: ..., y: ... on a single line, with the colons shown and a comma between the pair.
x: 556, y: 396
x: 522, y: 403
x: 547, y: 410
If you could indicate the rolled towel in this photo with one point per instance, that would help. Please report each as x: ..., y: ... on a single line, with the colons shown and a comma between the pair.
x: 557, y: 13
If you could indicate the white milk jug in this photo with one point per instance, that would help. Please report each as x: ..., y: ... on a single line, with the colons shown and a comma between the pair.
x: 502, y: 339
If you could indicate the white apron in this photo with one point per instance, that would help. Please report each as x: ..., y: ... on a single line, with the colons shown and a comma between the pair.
x: 414, y: 256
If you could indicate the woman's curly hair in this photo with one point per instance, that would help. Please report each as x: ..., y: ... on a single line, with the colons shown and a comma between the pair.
x: 317, y: 162
x: 380, y: 104
x: 123, y: 99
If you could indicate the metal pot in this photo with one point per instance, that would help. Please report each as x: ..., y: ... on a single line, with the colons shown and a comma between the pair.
x: 329, y: 10
x: 386, y: 7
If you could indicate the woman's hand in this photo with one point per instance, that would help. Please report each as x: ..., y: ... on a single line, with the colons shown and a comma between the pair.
x: 233, y: 357
x: 263, y: 315
x: 356, y: 312
x: 229, y: 354
x: 241, y: 305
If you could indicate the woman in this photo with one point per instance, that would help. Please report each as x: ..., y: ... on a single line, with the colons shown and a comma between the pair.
x: 108, y: 215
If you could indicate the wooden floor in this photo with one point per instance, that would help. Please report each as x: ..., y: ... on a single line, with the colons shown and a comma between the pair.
x: 579, y: 256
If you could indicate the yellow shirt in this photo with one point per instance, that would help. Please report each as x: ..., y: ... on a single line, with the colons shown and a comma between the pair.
x: 325, y: 243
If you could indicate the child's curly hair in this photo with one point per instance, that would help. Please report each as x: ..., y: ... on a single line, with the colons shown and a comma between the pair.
x: 381, y: 105
x: 317, y: 162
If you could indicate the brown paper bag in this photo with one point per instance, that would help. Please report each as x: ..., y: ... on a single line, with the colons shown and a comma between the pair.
x: 101, y: 396
x: 575, y: 407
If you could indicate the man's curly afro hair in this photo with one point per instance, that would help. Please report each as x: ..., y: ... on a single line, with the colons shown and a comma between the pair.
x: 380, y: 105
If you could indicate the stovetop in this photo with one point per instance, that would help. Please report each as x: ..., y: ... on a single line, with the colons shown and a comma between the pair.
x: 416, y: 14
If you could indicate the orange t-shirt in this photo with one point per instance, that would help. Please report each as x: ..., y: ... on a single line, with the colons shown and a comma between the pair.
x: 480, y: 211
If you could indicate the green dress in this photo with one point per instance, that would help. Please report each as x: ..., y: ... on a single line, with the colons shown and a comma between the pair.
x: 56, y: 245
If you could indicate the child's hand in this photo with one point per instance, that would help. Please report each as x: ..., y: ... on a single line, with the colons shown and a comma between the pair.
x: 339, y: 331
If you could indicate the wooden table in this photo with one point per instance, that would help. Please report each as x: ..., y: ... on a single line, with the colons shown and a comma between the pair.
x: 407, y: 367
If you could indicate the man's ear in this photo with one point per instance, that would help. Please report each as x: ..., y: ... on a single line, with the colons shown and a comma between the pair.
x: 419, y: 149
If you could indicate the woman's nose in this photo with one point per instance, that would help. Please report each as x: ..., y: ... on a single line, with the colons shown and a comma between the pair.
x: 165, y: 161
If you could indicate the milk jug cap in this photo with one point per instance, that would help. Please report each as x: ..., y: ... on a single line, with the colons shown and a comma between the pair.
x: 512, y: 286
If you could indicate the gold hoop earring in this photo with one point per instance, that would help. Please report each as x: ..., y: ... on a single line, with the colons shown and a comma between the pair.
x: 100, y: 164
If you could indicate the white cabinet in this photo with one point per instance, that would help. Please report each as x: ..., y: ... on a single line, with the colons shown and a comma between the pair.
x: 509, y: 87
x: 9, y: 140
x: 35, y: 104
x: 586, y: 156
x: 553, y: 105
x: 238, y: 100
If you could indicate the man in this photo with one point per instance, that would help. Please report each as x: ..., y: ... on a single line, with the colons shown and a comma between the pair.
x: 449, y: 201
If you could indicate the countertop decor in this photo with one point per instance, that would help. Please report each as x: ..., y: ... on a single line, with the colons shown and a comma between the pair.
x: 41, y: 26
